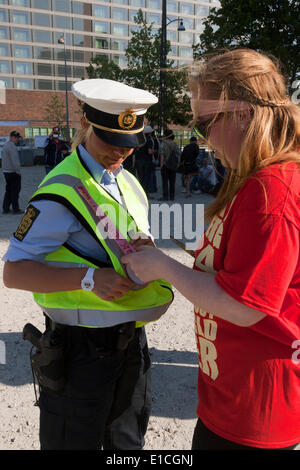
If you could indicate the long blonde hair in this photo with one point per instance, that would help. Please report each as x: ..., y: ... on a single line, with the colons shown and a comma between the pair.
x: 81, y: 136
x: 273, y: 134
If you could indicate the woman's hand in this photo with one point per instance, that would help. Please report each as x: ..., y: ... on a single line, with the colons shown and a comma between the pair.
x: 140, y: 239
x: 110, y: 285
x: 146, y: 263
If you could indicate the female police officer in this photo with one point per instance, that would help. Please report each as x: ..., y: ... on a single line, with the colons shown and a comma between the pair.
x: 67, y: 251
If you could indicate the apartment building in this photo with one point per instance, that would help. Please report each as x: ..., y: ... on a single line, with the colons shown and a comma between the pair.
x: 32, y: 55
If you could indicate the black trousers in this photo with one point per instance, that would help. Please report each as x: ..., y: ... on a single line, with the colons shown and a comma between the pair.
x: 168, y: 183
x: 204, y: 439
x: 107, y: 399
x: 12, y: 190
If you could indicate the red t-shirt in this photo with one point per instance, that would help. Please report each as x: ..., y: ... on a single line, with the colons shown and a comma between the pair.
x: 249, y: 377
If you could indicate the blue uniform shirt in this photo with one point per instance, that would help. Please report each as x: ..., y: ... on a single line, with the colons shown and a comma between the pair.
x: 55, y: 224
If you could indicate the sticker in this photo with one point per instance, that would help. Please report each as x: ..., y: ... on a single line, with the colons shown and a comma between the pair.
x: 26, y: 222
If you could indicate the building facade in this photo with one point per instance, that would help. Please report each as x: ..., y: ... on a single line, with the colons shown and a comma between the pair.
x: 32, y: 55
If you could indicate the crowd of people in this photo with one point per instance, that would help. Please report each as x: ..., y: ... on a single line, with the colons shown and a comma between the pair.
x: 200, y: 172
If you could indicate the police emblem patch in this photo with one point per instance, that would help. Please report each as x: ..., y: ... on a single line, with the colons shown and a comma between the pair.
x: 26, y: 222
x: 127, y: 119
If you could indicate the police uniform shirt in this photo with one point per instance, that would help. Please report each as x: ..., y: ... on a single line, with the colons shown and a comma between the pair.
x: 43, y: 237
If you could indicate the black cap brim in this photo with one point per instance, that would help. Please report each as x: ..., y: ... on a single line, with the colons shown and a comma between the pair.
x: 120, y: 140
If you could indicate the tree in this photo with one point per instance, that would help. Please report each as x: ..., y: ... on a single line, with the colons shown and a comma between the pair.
x: 268, y: 26
x: 56, y: 111
x: 143, y: 68
x: 101, y: 67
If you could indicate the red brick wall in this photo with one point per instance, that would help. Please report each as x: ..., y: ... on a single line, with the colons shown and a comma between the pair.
x: 30, y: 105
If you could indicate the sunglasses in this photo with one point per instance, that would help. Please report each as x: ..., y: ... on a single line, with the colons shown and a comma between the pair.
x: 202, y: 129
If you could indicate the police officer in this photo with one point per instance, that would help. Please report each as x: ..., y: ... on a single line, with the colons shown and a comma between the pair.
x: 67, y: 250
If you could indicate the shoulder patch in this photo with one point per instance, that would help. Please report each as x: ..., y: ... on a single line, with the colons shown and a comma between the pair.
x: 26, y: 222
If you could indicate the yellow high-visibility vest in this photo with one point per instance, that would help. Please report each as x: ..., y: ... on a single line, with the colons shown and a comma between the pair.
x: 71, y: 184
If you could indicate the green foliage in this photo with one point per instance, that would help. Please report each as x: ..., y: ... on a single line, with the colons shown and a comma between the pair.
x: 56, y: 111
x: 268, y: 26
x: 101, y: 67
x: 143, y: 71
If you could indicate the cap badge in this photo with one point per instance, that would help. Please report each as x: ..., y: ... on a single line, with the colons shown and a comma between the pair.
x: 127, y: 119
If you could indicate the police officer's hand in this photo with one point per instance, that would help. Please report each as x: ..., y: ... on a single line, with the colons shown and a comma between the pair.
x: 109, y: 284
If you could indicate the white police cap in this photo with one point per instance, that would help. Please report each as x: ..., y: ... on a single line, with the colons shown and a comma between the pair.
x: 115, y: 110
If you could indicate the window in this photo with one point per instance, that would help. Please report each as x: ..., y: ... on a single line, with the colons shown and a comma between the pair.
x: 41, y: 19
x: 23, y: 35
x: 78, y: 72
x: 187, y: 8
x: 101, y: 43
x: 3, y: 49
x: 171, y: 35
x: 3, y: 15
x: 202, y: 10
x: 45, y: 85
x: 62, y: 86
x: 43, y: 69
x: 174, y: 50
x: 186, y: 52
x: 78, y: 56
x: 22, y: 52
x: 120, y: 60
x: 42, y: 36
x: 60, y: 70
x: 186, y: 38
x: 42, y: 52
x: 132, y: 14
x: 121, y: 2
x: 62, y: 22
x: 154, y: 18
x: 78, y: 24
x: 119, y: 44
x: 62, y: 5
x: 59, y: 54
x: 20, y: 17
x: 137, y: 3
x: 24, y: 84
x: 78, y: 40
x: 119, y: 14
x: 171, y: 6
x: 3, y: 2
x: 77, y: 7
x: 3, y: 32
x: 154, y: 4
x: 119, y: 29
x: 5, y: 82
x: 188, y: 23
x: 199, y: 25
x: 101, y: 11
x: 20, y: 3
x: 101, y: 27
x: 4, y: 66
x: 41, y: 4
x: 23, y: 68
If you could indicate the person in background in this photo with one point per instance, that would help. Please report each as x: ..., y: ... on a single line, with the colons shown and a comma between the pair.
x: 188, y: 159
x: 245, y: 280
x: 11, y: 168
x: 205, y: 181
x: 55, y: 150
x: 169, y: 160
x: 144, y: 161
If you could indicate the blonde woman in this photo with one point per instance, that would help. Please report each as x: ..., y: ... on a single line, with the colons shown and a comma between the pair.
x: 94, y: 373
x: 245, y: 282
